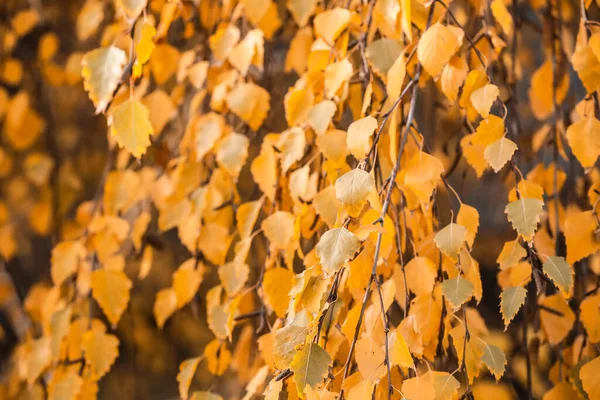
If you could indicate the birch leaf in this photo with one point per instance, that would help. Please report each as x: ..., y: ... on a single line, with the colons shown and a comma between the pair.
x: 309, y: 367
x: 524, y: 215
x: 336, y: 247
x: 511, y: 301
x: 102, y: 71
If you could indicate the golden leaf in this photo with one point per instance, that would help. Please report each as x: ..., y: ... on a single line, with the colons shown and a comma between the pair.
x: 352, y: 190
x: 130, y: 125
x: 524, y: 215
x: 309, y: 366
x: 579, y: 230
x: 584, y: 138
x: 164, y: 306
x: 102, y: 71
x: 336, y: 247
x: 436, y: 46
x: 187, y: 369
x: 498, y: 153
x: 110, y: 289
x: 100, y: 351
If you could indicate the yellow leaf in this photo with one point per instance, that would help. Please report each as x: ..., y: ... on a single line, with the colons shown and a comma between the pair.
x: 301, y: 10
x: 362, y: 390
x: 161, y: 109
x: 418, y: 388
x: 222, y: 41
x: 560, y: 272
x: 232, y: 152
x: 589, y: 308
x: 493, y: 357
x: 556, y: 327
x: 333, y: 146
x: 511, y: 301
x: 65, y: 385
x: 436, y: 46
x: 511, y: 254
x: 359, y: 136
x: 164, y: 306
x: 587, y: 65
x: 163, y: 62
x: 489, y: 131
x: 498, y: 153
x: 279, y: 228
x: 457, y: 291
x: 297, y: 103
x: 352, y: 190
x: 277, y: 284
x: 218, y: 356
x: 453, y: 76
x: 264, y: 171
x: 450, y: 239
x: 423, y: 173
x: 249, y: 102
x: 336, y: 247
x: 38, y: 358
x: 469, y: 218
x: 131, y: 8
x: 382, y: 55
x: 421, y: 274
x: 370, y: 358
x: 320, y: 115
x: 144, y: 47
x: 309, y: 366
x: 130, y: 124
x: 336, y: 75
x: 399, y: 353
x: 102, y: 71
x: 110, y: 289
x: 187, y: 369
x: 580, y: 233
x: 445, y: 385
x: 186, y: 281
x: 100, y: 351
x: 483, y: 98
x: 541, y: 92
x: 65, y: 260
x: 329, y: 24
x: 233, y: 276
x: 249, y: 51
x: 502, y: 16
x: 524, y: 215
x: 589, y: 378
x: 395, y: 77
x: 247, y: 214
x: 584, y: 138
x: 89, y: 18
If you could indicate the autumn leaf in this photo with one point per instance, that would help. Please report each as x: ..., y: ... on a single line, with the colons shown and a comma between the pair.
x: 110, y: 289
x: 498, y: 153
x: 102, y: 71
x: 588, y: 375
x: 511, y: 301
x: 130, y: 125
x: 584, y: 138
x: 560, y: 272
x: 336, y: 247
x: 309, y: 366
x: 494, y: 358
x: 483, y: 98
x: 450, y: 239
x: 352, y: 189
x: 457, y: 290
x: 524, y: 215
x: 100, y: 350
x: 435, y: 48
